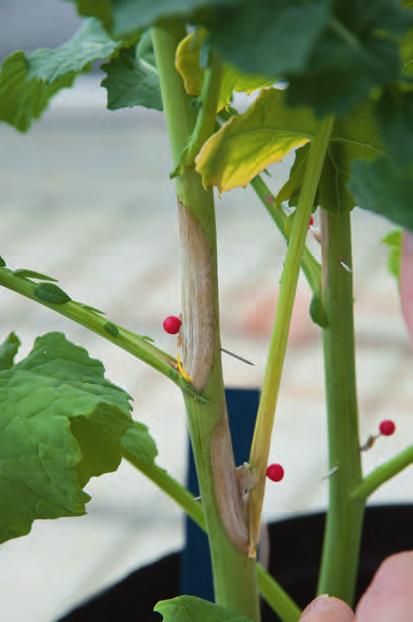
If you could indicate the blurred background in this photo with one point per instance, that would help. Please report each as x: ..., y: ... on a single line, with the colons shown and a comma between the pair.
x: 85, y: 197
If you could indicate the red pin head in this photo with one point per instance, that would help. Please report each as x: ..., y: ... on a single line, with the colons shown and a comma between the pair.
x: 172, y: 324
x: 387, y: 427
x: 311, y: 221
x: 275, y: 472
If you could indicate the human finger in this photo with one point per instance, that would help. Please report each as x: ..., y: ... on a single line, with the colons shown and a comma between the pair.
x: 390, y: 594
x: 327, y: 609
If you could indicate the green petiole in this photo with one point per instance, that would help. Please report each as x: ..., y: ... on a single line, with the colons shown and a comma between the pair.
x: 383, y: 473
x: 278, y: 345
x: 77, y: 312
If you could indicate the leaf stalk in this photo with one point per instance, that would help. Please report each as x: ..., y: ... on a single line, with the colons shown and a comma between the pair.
x: 383, y: 473
x: 278, y: 345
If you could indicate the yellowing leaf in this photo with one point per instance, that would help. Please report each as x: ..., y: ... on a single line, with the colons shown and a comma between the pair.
x: 187, y: 62
x: 250, y: 142
x: 269, y: 129
x: 189, y: 66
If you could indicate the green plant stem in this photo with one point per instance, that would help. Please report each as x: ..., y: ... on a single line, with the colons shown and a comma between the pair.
x: 266, y: 412
x: 272, y: 592
x: 276, y: 597
x: 309, y: 263
x: 206, y: 118
x: 170, y: 486
x: 345, y: 514
x: 134, y: 344
x: 383, y: 473
x: 234, y: 573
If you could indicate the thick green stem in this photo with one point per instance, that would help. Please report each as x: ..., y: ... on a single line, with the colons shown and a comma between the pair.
x: 383, y: 473
x: 272, y: 592
x: 345, y: 513
x: 206, y: 118
x: 233, y: 572
x: 278, y: 345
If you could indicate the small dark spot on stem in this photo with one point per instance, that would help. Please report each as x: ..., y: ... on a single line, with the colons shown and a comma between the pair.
x: 111, y: 329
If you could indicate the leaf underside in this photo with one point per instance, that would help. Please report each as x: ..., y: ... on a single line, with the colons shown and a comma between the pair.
x: 131, y: 82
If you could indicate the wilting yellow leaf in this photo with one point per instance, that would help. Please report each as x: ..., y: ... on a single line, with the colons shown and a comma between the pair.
x: 250, y: 142
x: 188, y: 64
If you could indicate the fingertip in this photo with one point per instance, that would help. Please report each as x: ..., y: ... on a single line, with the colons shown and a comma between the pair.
x: 326, y: 609
x: 389, y: 596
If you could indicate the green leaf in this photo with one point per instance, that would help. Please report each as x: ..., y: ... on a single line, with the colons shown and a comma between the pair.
x: 61, y: 423
x: 317, y: 311
x: 8, y: 350
x: 354, y: 138
x: 101, y: 9
x: 132, y: 15
x: 52, y: 294
x: 23, y: 99
x: 291, y: 189
x: 356, y: 53
x: 248, y: 143
x: 406, y: 50
x: 270, y: 37
x: 32, y: 274
x: 137, y: 442
x: 193, y: 609
x: 131, y: 81
x: 380, y: 188
x: 2, y: 262
x: 129, y: 16
x: 188, y: 63
x: 90, y: 43
x: 394, y: 242
x: 394, y: 114
x: 28, y: 82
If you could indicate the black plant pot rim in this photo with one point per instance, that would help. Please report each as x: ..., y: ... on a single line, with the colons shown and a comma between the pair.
x: 297, y: 542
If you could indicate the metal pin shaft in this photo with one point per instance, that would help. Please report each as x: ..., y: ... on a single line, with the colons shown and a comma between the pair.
x: 346, y: 267
x: 330, y: 473
x: 236, y: 356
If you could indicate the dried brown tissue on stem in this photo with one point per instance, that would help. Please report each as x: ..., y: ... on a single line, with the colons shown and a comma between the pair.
x: 231, y: 507
x: 199, y: 326
x: 201, y: 352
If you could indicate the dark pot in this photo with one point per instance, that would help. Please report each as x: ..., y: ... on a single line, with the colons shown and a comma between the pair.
x: 296, y: 544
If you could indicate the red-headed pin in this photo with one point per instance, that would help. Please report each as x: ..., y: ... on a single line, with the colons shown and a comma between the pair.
x: 387, y: 427
x: 172, y: 324
x: 311, y: 222
x: 275, y: 472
